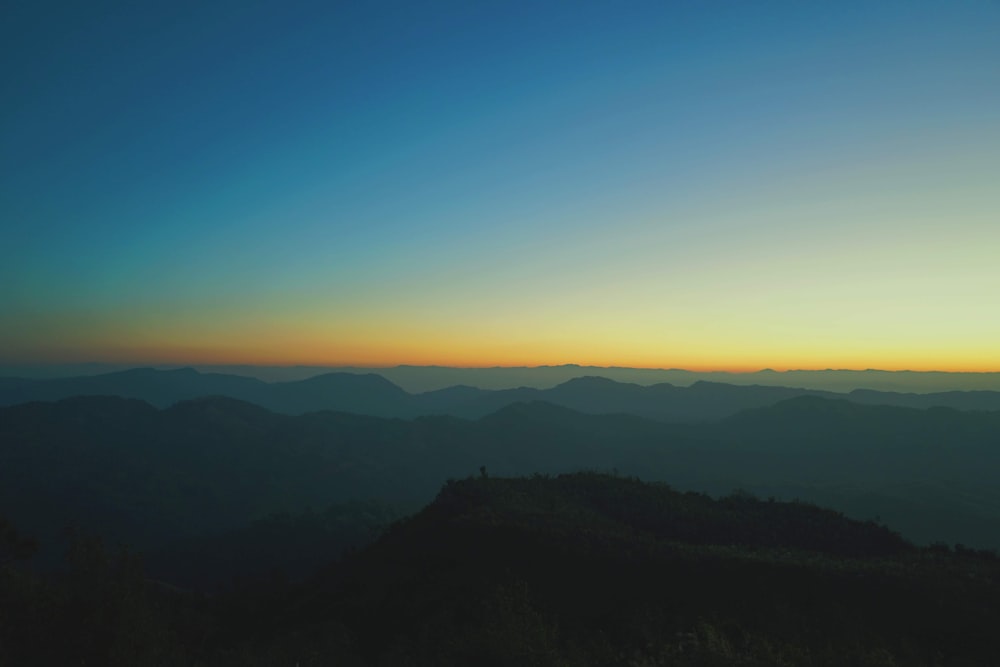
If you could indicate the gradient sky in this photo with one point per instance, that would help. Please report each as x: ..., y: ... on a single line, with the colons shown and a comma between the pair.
x: 725, y: 185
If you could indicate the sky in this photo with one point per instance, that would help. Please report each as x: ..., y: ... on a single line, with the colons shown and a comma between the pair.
x: 703, y: 185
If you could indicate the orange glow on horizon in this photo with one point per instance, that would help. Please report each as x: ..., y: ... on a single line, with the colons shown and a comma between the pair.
x: 209, y: 356
x: 385, y: 343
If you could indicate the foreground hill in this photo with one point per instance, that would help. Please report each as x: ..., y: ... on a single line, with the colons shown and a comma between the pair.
x: 583, y: 569
x: 147, y: 477
x: 591, y: 569
x: 372, y: 394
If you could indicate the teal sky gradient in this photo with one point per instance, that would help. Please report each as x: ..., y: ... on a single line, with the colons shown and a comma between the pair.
x: 704, y: 184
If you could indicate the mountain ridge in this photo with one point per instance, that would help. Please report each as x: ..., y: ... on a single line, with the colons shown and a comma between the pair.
x: 213, y: 463
x: 374, y: 394
x: 419, y: 379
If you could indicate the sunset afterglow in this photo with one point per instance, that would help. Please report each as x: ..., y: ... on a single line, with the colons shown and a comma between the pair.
x: 728, y: 186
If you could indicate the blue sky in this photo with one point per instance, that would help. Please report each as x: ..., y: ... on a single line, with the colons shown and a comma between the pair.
x: 711, y: 184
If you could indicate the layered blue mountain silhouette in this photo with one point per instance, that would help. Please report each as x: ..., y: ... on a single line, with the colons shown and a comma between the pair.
x: 146, y: 475
x: 372, y: 394
x: 218, y: 489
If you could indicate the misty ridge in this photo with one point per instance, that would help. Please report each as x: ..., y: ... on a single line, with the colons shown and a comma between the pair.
x: 341, y: 516
x: 421, y: 379
x: 373, y: 394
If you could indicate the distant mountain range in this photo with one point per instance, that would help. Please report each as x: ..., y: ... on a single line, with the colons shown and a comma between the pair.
x: 419, y: 379
x: 145, y: 476
x: 372, y: 394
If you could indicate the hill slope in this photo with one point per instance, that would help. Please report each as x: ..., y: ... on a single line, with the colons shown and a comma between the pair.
x: 582, y: 569
x: 591, y: 569
x: 147, y: 477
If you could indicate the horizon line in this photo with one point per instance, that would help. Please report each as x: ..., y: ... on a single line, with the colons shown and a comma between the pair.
x: 675, y: 369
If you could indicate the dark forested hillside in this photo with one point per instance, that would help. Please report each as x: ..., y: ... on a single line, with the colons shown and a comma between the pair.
x: 575, y: 570
x: 591, y: 569
x: 145, y: 476
x: 292, y: 546
x: 148, y: 477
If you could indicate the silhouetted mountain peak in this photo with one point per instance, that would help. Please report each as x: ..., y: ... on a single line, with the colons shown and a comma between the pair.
x: 595, y: 382
x: 706, y: 385
x: 373, y: 394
